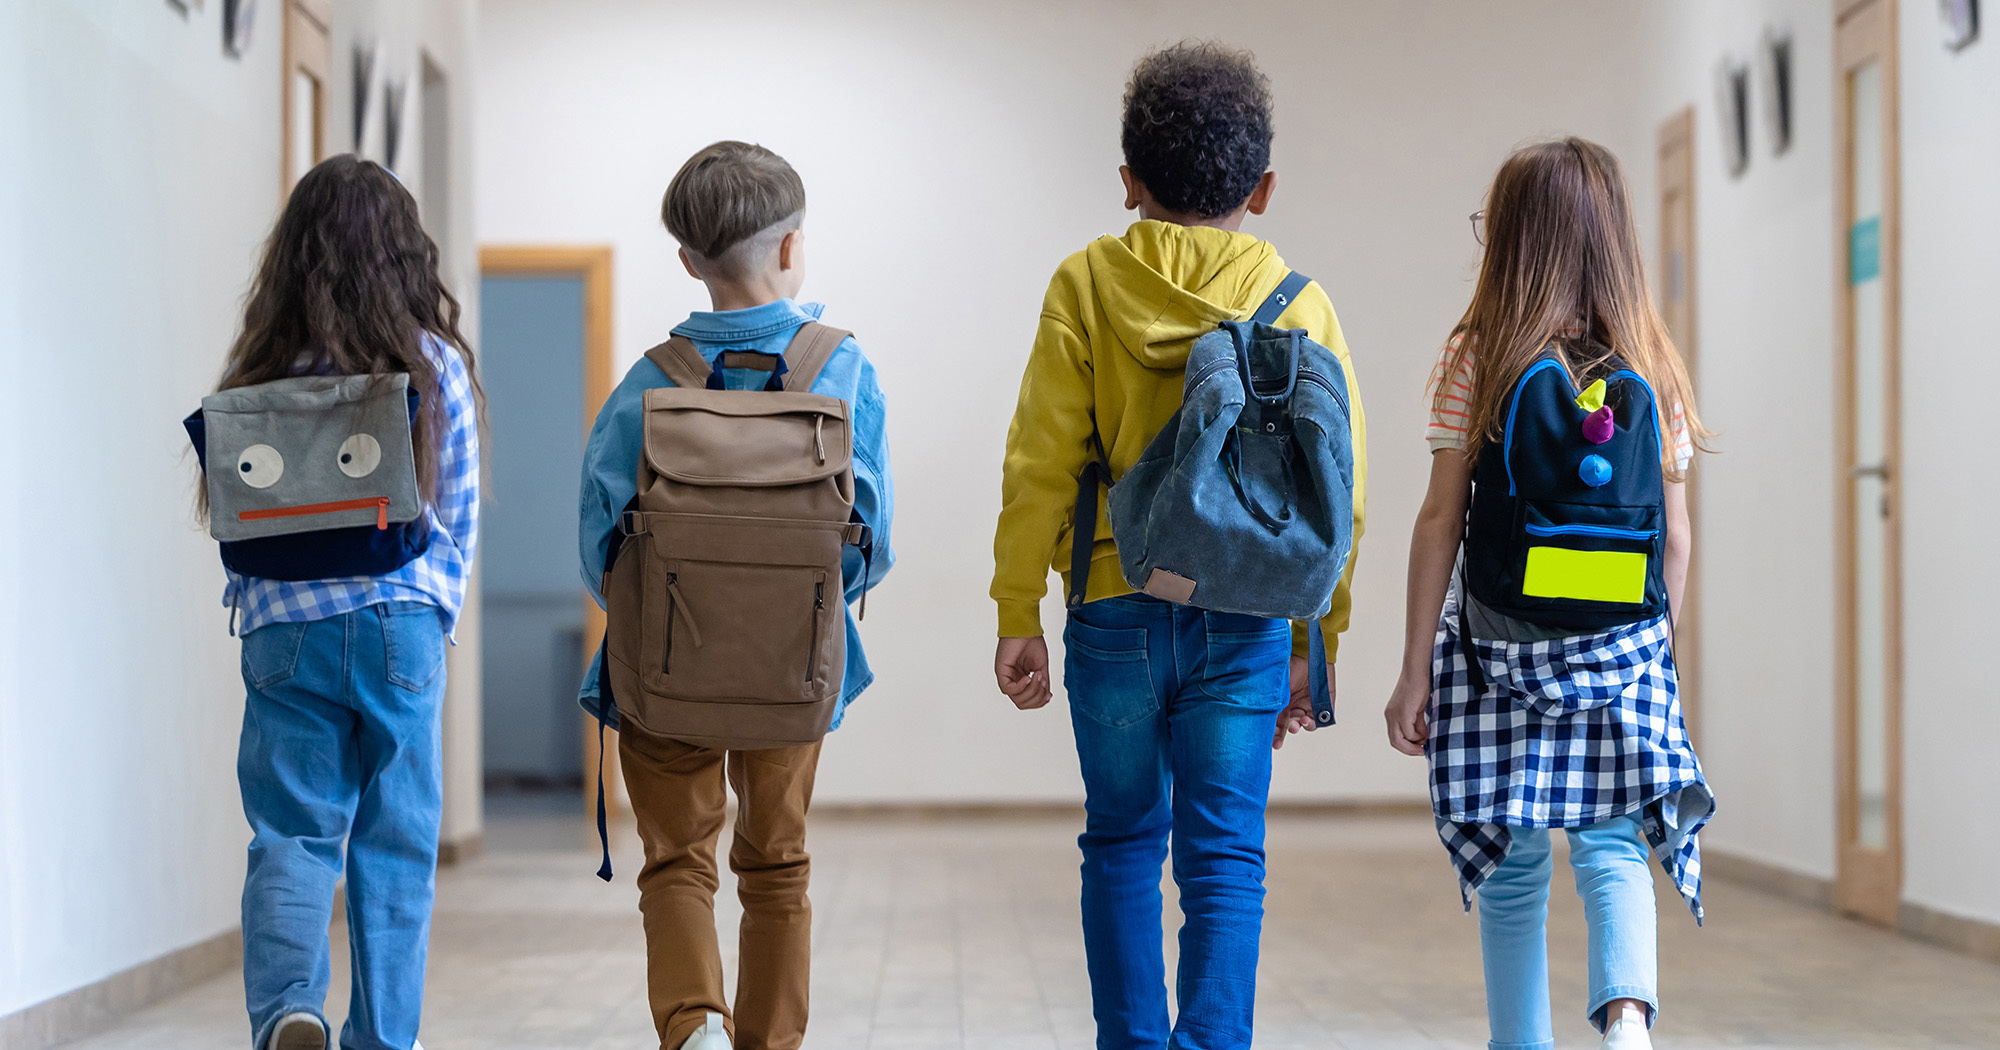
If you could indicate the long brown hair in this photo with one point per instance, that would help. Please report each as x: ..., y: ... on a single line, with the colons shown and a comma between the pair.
x: 1563, y: 268
x: 349, y: 285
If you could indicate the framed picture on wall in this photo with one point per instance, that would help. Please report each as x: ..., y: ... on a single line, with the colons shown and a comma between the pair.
x: 1776, y: 58
x: 1732, y: 85
x: 238, y: 16
x: 1961, y: 22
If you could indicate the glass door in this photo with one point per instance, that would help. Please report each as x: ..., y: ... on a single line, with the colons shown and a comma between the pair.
x: 1869, y: 864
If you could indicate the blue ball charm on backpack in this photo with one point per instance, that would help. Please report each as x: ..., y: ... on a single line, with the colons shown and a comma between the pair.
x: 1595, y: 471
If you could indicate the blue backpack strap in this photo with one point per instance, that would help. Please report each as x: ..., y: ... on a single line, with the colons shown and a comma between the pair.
x: 607, y: 703
x: 1281, y: 297
x: 605, y: 706
x: 1322, y: 690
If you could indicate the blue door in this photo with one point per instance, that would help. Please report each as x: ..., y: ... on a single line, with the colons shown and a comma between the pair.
x: 531, y: 329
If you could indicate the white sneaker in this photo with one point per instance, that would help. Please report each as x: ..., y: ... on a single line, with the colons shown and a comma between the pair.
x: 1626, y: 1033
x: 298, y: 1031
x: 710, y: 1036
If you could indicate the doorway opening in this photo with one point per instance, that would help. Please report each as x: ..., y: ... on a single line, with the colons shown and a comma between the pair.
x: 545, y: 329
x: 1677, y: 309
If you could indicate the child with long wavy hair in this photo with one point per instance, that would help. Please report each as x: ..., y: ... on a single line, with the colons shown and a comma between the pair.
x: 1531, y: 722
x: 340, y: 762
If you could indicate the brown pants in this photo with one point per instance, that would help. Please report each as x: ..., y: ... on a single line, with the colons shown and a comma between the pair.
x: 677, y: 795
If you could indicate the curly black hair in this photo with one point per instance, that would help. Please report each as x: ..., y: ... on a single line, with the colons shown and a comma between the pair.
x: 1198, y: 127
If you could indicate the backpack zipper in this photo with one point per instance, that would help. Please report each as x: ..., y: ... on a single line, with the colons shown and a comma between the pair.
x: 380, y: 503
x: 812, y: 641
x: 1212, y: 368
x: 1310, y: 376
x: 673, y: 594
x: 1605, y: 531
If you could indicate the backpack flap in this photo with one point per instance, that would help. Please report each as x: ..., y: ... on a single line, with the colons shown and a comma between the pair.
x: 725, y: 438
x: 308, y: 454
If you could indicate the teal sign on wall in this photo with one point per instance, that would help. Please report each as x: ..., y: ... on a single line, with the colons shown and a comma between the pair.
x: 1864, y: 250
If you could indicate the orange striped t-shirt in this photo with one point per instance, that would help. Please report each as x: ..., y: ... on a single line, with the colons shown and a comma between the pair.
x: 1450, y: 413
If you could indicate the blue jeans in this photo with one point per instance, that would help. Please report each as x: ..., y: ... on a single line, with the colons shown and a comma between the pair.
x: 341, y: 761
x: 1173, y: 709
x: 1616, y: 885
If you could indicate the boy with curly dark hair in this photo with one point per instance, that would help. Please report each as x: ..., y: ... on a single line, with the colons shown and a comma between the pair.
x: 1176, y: 709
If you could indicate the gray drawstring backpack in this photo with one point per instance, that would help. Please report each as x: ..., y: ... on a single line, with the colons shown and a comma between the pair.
x: 313, y: 477
x: 1244, y: 501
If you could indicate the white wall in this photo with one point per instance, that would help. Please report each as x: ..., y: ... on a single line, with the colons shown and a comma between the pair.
x: 1951, y: 705
x: 1766, y: 298
x: 1764, y: 293
x: 139, y: 178
x: 953, y: 154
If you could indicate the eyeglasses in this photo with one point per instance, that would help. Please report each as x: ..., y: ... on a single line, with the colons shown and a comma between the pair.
x: 1479, y: 226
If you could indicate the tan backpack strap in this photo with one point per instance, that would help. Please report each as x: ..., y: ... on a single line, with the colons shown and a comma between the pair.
x: 809, y: 352
x: 682, y: 363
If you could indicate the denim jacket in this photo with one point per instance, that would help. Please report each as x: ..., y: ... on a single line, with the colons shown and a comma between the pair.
x: 611, y: 457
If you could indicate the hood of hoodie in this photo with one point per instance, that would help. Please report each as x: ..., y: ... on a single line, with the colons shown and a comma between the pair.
x: 1162, y: 286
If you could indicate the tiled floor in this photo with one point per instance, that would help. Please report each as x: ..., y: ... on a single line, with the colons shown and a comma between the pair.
x: 963, y: 934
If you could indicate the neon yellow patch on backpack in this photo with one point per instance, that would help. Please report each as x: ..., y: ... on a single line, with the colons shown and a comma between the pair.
x: 1590, y: 576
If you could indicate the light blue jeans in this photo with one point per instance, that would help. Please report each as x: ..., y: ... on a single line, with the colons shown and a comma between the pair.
x: 340, y: 761
x: 1173, y: 709
x: 1612, y: 877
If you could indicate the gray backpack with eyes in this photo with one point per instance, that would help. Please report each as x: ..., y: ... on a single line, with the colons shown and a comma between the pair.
x: 313, y: 477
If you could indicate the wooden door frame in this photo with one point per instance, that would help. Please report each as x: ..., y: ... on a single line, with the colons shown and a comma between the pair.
x: 1867, y: 882
x: 592, y: 264
x: 308, y: 47
x: 1677, y: 138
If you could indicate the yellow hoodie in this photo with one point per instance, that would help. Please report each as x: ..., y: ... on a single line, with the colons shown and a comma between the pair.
x: 1116, y: 327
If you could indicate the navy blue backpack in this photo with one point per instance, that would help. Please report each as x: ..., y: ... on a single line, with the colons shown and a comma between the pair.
x: 1244, y: 501
x: 1567, y: 527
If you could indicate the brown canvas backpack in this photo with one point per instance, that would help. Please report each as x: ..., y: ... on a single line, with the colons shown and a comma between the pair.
x: 727, y: 624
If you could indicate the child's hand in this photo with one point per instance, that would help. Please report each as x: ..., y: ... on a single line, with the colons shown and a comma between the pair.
x: 1408, y: 715
x: 1021, y: 666
x: 1298, y: 714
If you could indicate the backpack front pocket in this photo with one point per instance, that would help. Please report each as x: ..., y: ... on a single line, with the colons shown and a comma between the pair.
x: 1602, y: 556
x: 743, y: 631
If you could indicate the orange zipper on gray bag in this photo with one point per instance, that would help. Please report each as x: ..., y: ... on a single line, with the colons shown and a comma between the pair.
x: 380, y: 503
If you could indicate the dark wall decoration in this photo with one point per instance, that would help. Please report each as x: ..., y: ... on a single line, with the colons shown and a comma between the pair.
x: 364, y: 82
x: 1733, y: 113
x: 238, y: 16
x: 1777, y: 62
x: 1961, y: 22
x: 393, y: 93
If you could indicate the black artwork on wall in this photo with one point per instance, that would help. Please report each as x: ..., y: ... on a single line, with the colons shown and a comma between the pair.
x: 392, y: 120
x: 238, y: 16
x: 1733, y: 89
x: 1961, y: 22
x: 364, y: 79
x: 1778, y: 88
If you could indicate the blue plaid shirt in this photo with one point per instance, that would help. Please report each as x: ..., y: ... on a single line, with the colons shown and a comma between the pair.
x: 437, y: 577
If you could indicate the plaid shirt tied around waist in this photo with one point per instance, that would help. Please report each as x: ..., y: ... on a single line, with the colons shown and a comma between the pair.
x: 1567, y: 733
x: 437, y: 577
